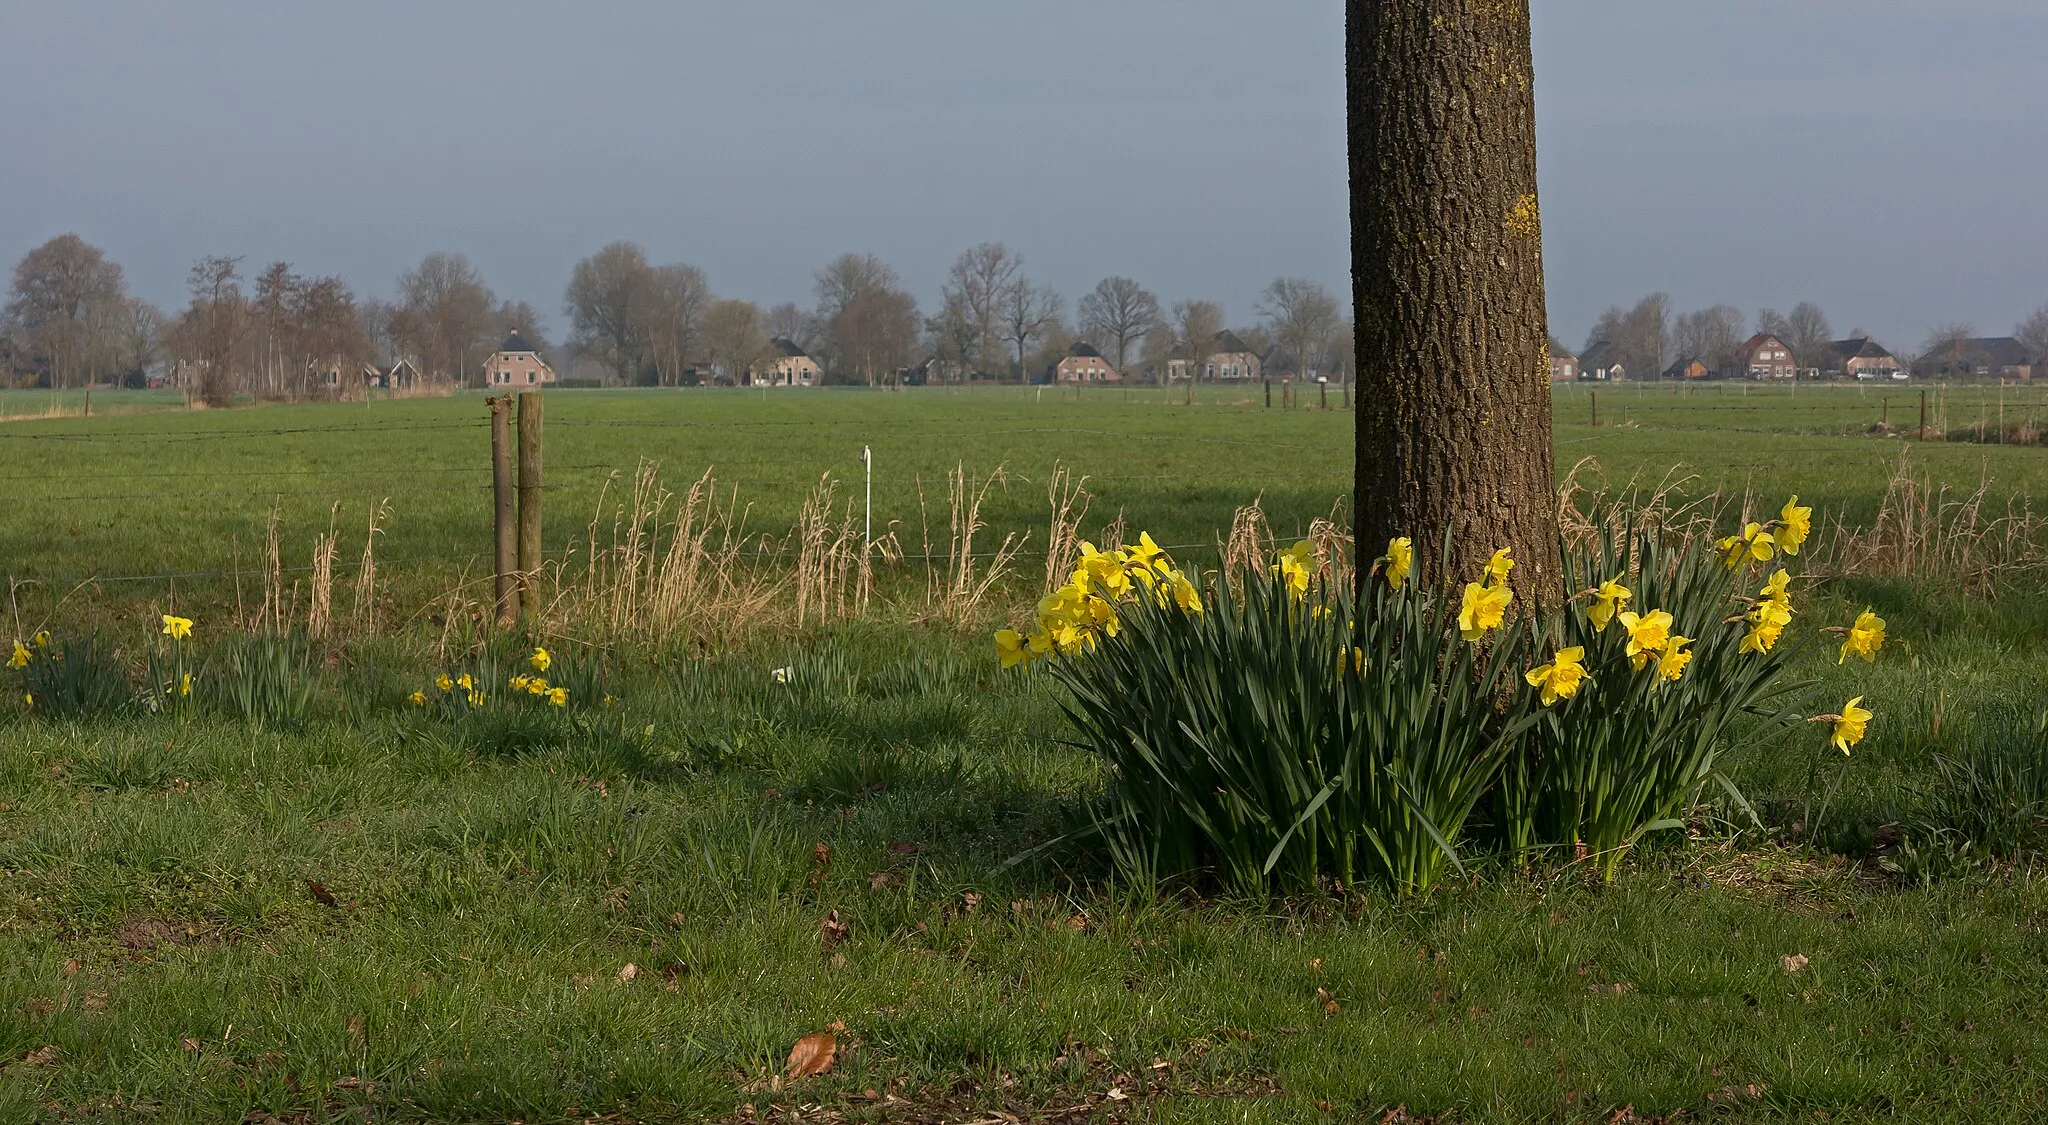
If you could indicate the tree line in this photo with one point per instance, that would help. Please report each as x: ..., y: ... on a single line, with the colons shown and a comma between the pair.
x: 1649, y: 335
x: 278, y: 334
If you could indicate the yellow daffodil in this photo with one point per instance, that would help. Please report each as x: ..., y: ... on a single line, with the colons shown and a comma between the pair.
x: 1040, y: 643
x: 42, y: 638
x: 1865, y: 637
x: 21, y: 656
x: 536, y: 686
x: 1849, y: 725
x: 1755, y: 543
x: 1010, y: 648
x: 1067, y: 638
x: 1766, y: 621
x: 476, y: 699
x: 1104, y: 571
x: 419, y: 698
x: 558, y: 697
x: 1671, y: 665
x: 1648, y: 633
x: 177, y: 628
x: 1400, y: 562
x: 466, y: 682
x: 610, y: 700
x: 1794, y: 525
x: 28, y: 699
x: 540, y: 660
x: 518, y: 683
x: 1559, y: 679
x: 1184, y: 593
x: 1498, y: 566
x: 1295, y: 568
x: 444, y: 683
x: 1777, y: 589
x: 1483, y: 609
x: 1147, y: 555
x: 1607, y: 600
x: 185, y: 685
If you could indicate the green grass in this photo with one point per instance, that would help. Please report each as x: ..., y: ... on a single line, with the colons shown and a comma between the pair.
x: 491, y: 878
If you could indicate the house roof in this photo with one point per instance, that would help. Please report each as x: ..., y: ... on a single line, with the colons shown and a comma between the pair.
x: 1228, y: 341
x: 1759, y: 340
x: 1602, y: 354
x: 514, y: 342
x: 1278, y: 361
x: 1082, y: 349
x: 1677, y: 368
x: 787, y: 347
x: 1997, y: 351
x: 1859, y: 347
x: 1558, y: 351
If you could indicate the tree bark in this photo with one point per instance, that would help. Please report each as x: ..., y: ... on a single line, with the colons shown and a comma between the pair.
x: 1453, y: 434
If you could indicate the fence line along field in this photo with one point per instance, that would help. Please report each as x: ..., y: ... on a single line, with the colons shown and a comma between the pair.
x: 143, y: 493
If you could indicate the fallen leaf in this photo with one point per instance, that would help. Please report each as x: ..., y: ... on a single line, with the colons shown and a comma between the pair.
x: 629, y: 973
x: 355, y: 1029
x: 970, y: 902
x: 671, y: 973
x: 1328, y: 1001
x: 320, y: 893
x: 71, y: 968
x: 1315, y: 964
x: 190, y: 1045
x: 95, y: 1002
x: 902, y: 847
x: 832, y: 931
x: 675, y: 921
x: 42, y: 1056
x: 879, y: 879
x: 821, y: 855
x: 1116, y: 1095
x: 813, y: 1054
x: 1792, y: 962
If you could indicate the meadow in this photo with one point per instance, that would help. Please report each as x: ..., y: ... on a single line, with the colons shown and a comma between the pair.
x: 631, y: 912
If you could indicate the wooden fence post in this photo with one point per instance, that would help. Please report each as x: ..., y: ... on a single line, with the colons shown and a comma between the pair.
x: 529, y: 503
x: 1269, y: 394
x: 504, y: 528
x: 1923, y: 414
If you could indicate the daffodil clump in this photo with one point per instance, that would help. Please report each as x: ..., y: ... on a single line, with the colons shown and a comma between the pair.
x: 452, y: 695
x: 24, y: 656
x: 1071, y: 619
x: 171, y: 671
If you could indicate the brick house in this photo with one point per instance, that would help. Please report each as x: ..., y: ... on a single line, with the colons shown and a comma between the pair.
x: 1564, y: 366
x: 1764, y: 356
x: 1980, y: 357
x: 787, y: 366
x: 1687, y: 368
x: 517, y: 364
x: 1083, y: 364
x: 1860, y: 358
x: 1601, y: 363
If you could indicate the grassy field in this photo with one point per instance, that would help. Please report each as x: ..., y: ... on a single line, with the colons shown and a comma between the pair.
x: 383, y: 914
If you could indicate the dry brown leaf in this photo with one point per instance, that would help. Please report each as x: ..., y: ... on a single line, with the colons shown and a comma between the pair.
x: 813, y: 1054
x: 95, y: 1002
x: 879, y: 879
x: 673, y: 972
x: 320, y: 893
x: 676, y: 920
x: 970, y: 901
x: 1328, y: 1002
x: 71, y: 968
x: 902, y: 847
x: 1792, y: 962
x: 821, y: 855
x: 190, y: 1045
x: 832, y: 931
x: 629, y: 973
x: 42, y: 1056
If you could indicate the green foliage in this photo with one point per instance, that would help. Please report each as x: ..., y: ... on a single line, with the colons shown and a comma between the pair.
x: 268, y: 680
x: 72, y: 677
x: 1991, y: 791
x: 1632, y: 750
x: 1272, y: 742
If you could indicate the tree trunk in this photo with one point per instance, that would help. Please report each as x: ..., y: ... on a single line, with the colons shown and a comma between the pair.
x: 1453, y: 424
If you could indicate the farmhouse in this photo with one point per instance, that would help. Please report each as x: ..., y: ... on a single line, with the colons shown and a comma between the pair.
x: 1083, y: 364
x: 1980, y: 357
x: 1860, y: 358
x: 517, y: 364
x: 1764, y: 356
x: 1564, y: 366
x: 787, y: 366
x: 1686, y: 368
x: 1602, y: 363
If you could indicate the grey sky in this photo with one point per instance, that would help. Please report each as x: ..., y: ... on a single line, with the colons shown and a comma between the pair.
x: 1883, y: 158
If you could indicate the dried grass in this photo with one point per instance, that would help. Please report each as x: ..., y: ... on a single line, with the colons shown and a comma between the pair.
x: 1069, y: 499
x: 1925, y: 528
x: 320, y: 604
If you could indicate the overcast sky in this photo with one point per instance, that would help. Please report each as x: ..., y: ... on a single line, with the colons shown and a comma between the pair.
x: 1886, y: 158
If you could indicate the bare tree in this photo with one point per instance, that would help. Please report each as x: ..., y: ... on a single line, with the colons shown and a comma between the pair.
x: 65, y: 305
x: 840, y: 283
x: 1119, y: 313
x: 734, y: 337
x: 976, y: 290
x: 2032, y: 333
x: 609, y: 300
x: 677, y: 296
x: 953, y: 338
x: 448, y: 325
x: 1807, y: 333
x: 523, y: 318
x: 1453, y: 432
x: 874, y: 332
x: 1944, y: 342
x: 791, y: 323
x: 144, y: 331
x: 1301, y: 315
x: 1027, y: 311
x: 1710, y: 335
x: 1193, y: 326
x: 1771, y: 322
x: 1641, y: 335
x: 214, y: 325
